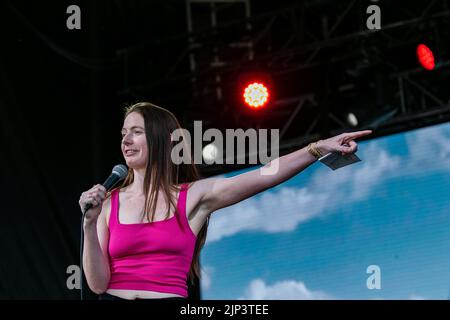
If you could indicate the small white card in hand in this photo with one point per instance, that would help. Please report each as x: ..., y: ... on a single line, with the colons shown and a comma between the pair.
x: 336, y: 160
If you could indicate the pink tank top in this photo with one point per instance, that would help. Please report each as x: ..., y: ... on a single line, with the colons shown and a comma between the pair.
x: 153, y: 256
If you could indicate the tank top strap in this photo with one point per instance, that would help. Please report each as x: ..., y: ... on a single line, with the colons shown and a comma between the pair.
x: 181, y: 206
x: 113, y: 215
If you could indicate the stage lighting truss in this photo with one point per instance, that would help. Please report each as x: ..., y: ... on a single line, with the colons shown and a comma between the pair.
x: 315, y: 37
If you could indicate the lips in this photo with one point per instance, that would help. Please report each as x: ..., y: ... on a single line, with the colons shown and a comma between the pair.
x: 130, y: 152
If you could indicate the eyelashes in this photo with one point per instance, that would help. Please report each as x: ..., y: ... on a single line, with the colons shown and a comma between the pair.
x: 136, y: 132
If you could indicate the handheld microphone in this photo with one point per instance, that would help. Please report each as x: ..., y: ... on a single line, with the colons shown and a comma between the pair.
x: 119, y: 172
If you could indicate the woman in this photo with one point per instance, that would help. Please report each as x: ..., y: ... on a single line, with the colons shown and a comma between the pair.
x: 143, y: 239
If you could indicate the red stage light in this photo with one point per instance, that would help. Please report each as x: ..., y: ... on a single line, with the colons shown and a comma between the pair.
x: 425, y: 56
x: 256, y: 95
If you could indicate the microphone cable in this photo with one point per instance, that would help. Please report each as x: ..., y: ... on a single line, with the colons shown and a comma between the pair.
x: 81, y: 253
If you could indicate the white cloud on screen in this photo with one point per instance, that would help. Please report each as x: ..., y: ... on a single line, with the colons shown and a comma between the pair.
x: 282, y: 290
x: 429, y: 148
x: 416, y: 297
x: 206, y: 273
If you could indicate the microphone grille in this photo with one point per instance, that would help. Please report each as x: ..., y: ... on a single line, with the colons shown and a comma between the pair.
x: 120, y: 170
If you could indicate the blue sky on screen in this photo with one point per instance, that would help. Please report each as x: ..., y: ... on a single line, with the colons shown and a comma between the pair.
x: 314, y: 236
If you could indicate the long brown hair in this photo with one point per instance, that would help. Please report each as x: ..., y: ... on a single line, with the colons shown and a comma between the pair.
x: 161, y: 172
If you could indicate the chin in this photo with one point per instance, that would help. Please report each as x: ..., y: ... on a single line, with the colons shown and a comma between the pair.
x: 131, y: 165
x: 134, y: 165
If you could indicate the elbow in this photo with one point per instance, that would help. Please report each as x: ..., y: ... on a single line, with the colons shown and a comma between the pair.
x: 98, y: 289
x: 99, y: 285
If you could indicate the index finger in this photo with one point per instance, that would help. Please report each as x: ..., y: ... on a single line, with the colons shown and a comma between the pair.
x: 357, y: 134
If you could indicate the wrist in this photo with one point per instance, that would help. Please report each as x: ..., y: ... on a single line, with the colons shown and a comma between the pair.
x: 89, y: 223
x: 315, y: 150
x: 320, y: 148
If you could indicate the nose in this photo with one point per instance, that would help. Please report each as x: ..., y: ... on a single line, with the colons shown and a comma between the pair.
x: 126, y: 140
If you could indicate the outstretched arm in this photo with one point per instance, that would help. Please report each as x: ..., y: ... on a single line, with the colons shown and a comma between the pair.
x: 217, y: 193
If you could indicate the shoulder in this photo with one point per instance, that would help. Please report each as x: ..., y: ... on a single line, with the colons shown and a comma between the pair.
x: 199, y: 187
x: 207, y: 185
x: 200, y: 192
